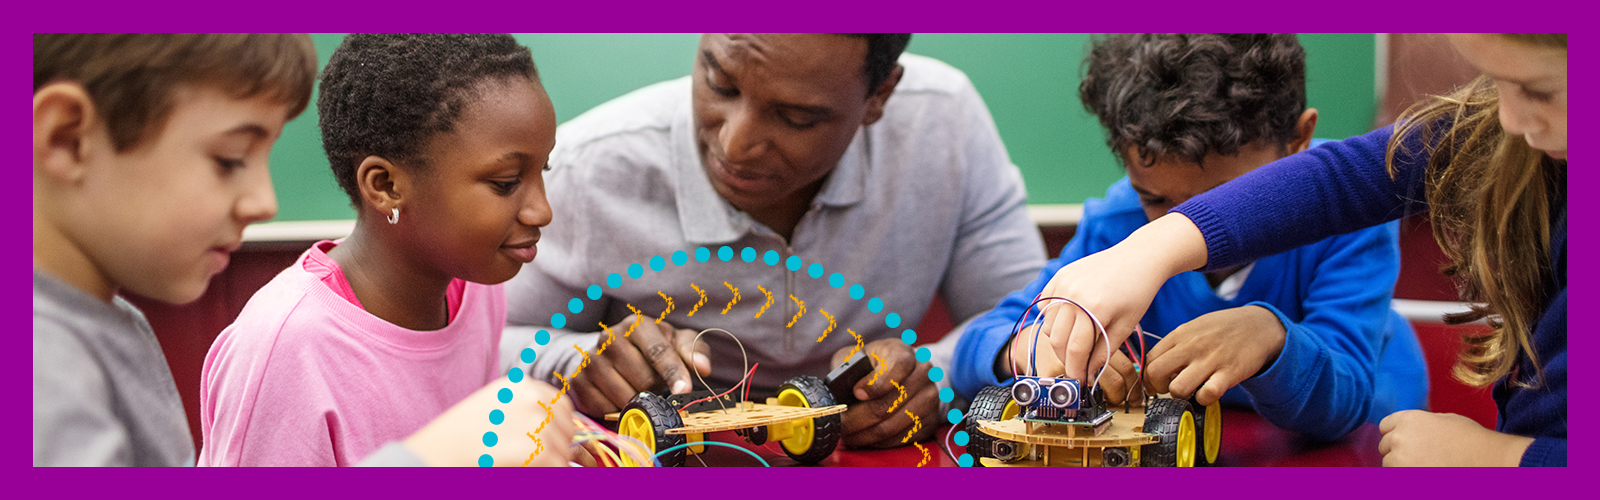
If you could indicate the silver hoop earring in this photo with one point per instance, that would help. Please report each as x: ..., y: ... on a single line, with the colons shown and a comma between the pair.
x: 394, y: 215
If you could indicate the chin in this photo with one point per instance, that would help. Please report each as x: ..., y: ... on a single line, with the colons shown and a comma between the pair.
x: 498, y: 275
x: 174, y: 293
x: 748, y: 202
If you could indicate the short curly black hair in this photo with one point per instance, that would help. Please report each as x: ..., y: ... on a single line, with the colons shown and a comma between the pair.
x: 388, y: 94
x: 1186, y: 95
x: 883, y: 52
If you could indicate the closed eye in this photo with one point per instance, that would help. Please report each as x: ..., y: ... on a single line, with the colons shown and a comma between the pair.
x: 229, y: 164
x: 506, y: 187
x: 724, y: 92
x: 1538, y: 96
x: 799, y: 120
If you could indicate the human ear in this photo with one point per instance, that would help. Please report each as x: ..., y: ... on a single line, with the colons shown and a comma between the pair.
x: 382, y: 184
x: 64, y: 120
x: 880, y: 97
x: 1304, y: 129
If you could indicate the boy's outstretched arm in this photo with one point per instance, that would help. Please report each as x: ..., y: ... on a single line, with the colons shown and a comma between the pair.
x: 1118, y: 285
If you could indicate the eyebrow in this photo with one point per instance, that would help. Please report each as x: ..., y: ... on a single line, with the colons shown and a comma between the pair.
x: 1542, y: 80
x: 807, y: 108
x: 249, y: 129
x: 514, y: 157
x: 711, y: 60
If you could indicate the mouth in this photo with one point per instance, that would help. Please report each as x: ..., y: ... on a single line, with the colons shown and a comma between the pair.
x: 739, y: 180
x: 524, y: 250
x: 221, y: 254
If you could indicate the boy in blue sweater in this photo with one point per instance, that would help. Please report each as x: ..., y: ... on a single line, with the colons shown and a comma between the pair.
x: 1307, y: 336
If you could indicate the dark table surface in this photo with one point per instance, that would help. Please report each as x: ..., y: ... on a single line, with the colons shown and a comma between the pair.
x: 1247, y: 441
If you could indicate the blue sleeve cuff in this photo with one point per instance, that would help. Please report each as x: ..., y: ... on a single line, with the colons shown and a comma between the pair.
x: 1302, y: 353
x: 1219, y: 249
x: 1545, y: 452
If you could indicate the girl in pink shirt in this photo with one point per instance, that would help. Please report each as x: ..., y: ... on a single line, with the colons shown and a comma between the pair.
x: 440, y: 141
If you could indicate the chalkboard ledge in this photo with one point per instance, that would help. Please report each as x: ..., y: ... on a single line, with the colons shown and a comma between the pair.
x: 1056, y: 215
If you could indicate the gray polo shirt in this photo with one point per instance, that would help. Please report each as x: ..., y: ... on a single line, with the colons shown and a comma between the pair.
x: 923, y: 201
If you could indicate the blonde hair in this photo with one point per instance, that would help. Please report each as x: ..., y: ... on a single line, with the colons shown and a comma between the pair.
x: 1489, y: 199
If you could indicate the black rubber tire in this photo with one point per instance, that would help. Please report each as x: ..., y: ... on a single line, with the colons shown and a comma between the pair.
x: 1162, y: 420
x: 990, y: 404
x: 826, y: 430
x: 662, y: 418
x: 1200, y: 433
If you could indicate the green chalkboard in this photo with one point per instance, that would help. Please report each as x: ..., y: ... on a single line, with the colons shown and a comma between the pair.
x: 1028, y: 80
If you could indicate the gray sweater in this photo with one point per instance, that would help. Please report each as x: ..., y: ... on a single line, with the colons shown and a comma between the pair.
x: 102, y: 393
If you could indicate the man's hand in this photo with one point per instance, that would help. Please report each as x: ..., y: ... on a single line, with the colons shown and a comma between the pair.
x: 456, y: 437
x: 1116, y: 380
x: 1207, y: 356
x: 879, y: 420
x: 1414, y: 438
x: 654, y: 357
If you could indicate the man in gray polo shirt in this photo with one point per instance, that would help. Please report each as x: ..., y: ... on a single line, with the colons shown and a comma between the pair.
x: 849, y: 185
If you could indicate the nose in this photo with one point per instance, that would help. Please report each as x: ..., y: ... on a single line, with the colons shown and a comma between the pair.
x: 258, y: 202
x: 741, y: 135
x: 535, y: 208
x: 1517, y: 117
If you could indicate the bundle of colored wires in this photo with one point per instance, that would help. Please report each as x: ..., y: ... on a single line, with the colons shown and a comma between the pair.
x: 1138, y: 361
x: 1037, y: 326
x: 749, y: 372
x: 743, y: 381
x: 604, y: 445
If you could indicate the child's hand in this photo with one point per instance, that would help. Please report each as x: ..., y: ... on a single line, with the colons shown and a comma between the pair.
x: 1117, y: 286
x: 1031, y: 353
x: 652, y: 358
x: 1415, y: 438
x: 1207, y: 356
x: 456, y: 438
x: 1116, y: 380
x: 871, y: 423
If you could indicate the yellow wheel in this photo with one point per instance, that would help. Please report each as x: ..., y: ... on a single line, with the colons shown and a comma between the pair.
x: 647, y: 418
x: 1172, y: 422
x: 636, y: 424
x: 812, y: 439
x: 1213, y: 432
x: 1186, y: 437
x: 1011, y: 411
x: 799, y: 441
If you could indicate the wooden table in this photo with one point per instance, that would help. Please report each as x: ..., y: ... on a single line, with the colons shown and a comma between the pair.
x: 1247, y: 441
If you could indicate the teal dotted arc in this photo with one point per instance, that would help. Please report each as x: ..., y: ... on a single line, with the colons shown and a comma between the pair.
x: 680, y: 258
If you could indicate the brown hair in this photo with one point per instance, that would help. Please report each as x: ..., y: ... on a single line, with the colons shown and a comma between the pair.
x: 1489, y: 199
x: 132, y: 76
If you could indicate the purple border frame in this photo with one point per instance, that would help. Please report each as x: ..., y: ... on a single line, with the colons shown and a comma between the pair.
x: 817, y: 15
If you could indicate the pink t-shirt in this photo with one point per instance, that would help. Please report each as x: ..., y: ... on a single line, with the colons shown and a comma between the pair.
x: 306, y: 377
x: 324, y: 267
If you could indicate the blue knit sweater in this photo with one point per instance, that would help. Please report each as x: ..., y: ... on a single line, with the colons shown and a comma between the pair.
x: 1345, y: 186
x: 1331, y: 296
